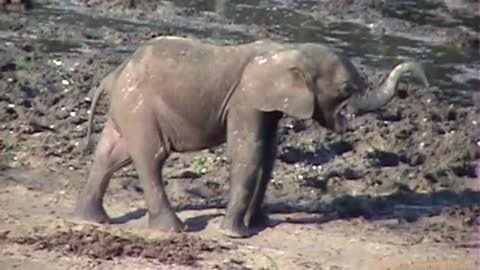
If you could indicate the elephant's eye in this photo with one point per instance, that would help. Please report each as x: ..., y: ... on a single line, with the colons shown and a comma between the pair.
x: 353, y: 89
x: 346, y: 89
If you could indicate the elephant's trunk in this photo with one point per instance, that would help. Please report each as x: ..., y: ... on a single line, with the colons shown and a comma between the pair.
x: 374, y: 100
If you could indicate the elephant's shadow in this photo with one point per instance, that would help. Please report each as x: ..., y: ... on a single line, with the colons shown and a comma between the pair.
x: 406, y: 206
x: 194, y: 224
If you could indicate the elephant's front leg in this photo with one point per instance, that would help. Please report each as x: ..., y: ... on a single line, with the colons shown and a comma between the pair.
x: 256, y: 216
x: 245, y: 147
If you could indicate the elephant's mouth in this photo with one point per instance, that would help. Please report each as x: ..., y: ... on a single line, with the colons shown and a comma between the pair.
x: 342, y: 117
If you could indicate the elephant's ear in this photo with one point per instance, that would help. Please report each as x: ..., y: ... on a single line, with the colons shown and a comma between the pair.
x: 279, y: 82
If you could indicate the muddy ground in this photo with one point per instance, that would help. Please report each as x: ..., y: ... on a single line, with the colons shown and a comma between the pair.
x: 400, y: 192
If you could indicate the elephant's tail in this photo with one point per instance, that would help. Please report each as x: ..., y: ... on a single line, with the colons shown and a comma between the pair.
x: 106, y: 83
x: 95, y: 98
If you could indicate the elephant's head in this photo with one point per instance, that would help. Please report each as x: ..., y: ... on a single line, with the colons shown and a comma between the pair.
x: 311, y: 81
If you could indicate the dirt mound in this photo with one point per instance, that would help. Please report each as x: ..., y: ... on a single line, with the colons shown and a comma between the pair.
x: 98, y: 244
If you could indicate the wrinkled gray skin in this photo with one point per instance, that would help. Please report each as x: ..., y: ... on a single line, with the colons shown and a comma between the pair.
x: 177, y: 95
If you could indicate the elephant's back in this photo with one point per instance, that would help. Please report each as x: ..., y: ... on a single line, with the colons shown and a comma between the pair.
x: 183, y: 82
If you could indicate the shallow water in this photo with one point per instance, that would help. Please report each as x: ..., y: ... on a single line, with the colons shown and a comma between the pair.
x: 453, y: 73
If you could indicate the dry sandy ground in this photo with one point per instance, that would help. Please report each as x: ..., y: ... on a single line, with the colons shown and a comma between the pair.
x: 298, y: 241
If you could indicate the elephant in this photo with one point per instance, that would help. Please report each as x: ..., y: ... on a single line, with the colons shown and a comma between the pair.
x: 177, y: 94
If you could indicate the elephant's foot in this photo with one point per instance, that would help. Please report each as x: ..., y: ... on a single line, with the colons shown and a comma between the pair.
x: 259, y: 219
x: 91, y: 213
x: 234, y: 229
x: 166, y: 223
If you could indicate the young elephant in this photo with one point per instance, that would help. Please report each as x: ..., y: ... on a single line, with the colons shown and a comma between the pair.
x: 176, y: 95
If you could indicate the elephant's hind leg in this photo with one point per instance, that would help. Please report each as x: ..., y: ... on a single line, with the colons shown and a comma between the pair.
x: 110, y: 155
x: 149, y: 154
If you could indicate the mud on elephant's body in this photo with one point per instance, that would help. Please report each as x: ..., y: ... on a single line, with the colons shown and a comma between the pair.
x: 178, y: 95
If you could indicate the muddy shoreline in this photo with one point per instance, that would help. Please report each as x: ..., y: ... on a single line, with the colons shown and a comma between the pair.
x: 413, y: 164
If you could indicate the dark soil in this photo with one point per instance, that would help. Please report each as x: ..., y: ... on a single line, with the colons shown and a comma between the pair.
x: 98, y: 244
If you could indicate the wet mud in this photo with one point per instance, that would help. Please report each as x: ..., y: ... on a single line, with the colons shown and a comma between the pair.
x: 101, y: 245
x: 412, y: 167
